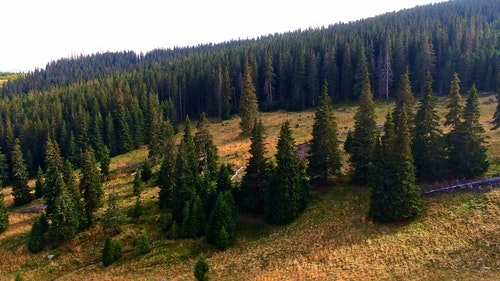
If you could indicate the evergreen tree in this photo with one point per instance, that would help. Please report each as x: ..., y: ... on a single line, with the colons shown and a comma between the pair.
x: 364, y: 133
x: 4, y: 214
x: 286, y: 196
x: 108, y: 255
x: 207, y: 150
x: 255, y: 181
x: 146, y: 172
x: 36, y: 240
x: 455, y: 104
x: 20, y: 188
x: 223, y: 222
x: 468, y: 156
x: 105, y: 162
x: 53, y: 174
x: 224, y: 179
x: 75, y: 193
x: 143, y: 243
x: 201, y: 269
x: 166, y: 175
x: 248, y: 101
x: 194, y: 221
x: 64, y: 220
x: 496, y: 115
x: 39, y: 183
x: 395, y: 196
x: 138, y: 185
x: 136, y: 209
x: 405, y: 101
x: 428, y: 141
x: 4, y: 176
x: 90, y: 185
x: 324, y: 160
x: 186, y: 174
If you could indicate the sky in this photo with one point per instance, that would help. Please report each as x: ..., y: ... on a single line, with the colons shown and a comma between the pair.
x: 35, y: 32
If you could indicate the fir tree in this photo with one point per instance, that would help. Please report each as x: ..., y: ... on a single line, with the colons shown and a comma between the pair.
x: 113, y: 215
x: 395, y: 196
x: 36, y: 240
x: 255, y: 181
x: 186, y: 174
x: 105, y: 162
x: 405, y: 101
x: 4, y: 177
x: 207, y: 151
x: 194, y: 221
x: 4, y: 214
x: 108, y: 255
x: 39, y: 183
x: 143, y: 243
x: 201, y: 269
x: 136, y: 209
x: 90, y: 185
x: 53, y: 173
x: 324, y: 159
x: 138, y: 185
x: 363, y: 134
x: 20, y: 188
x: 64, y: 220
x: 428, y: 141
x: 468, y: 155
x: 146, y: 172
x: 75, y: 193
x: 166, y: 176
x: 286, y: 196
x: 223, y: 222
x: 248, y: 101
x: 455, y: 104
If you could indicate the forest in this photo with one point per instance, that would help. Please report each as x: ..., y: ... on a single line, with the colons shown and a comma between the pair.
x: 429, y: 71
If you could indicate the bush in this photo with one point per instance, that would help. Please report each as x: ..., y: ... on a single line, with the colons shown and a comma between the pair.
x: 201, y: 269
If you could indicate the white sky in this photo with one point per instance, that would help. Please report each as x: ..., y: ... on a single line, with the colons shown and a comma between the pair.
x: 35, y: 32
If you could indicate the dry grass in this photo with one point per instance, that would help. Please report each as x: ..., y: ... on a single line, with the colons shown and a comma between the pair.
x: 456, y: 239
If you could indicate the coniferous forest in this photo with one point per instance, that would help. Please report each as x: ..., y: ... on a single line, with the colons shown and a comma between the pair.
x: 62, y: 124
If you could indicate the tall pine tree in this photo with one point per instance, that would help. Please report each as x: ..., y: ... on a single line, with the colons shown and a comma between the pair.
x: 248, y: 101
x: 20, y: 188
x: 90, y: 185
x: 286, y: 196
x: 255, y: 181
x: 428, y: 141
x: 364, y: 134
x: 324, y: 159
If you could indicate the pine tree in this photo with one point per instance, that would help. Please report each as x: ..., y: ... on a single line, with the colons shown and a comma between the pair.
x: 75, y: 193
x: 39, y: 183
x: 201, y: 269
x: 146, y: 172
x: 286, y: 196
x: 223, y: 222
x: 255, y: 181
x: 405, y: 101
x: 455, y: 104
x: 364, y: 134
x: 248, y: 101
x: 166, y: 175
x: 113, y: 216
x: 468, y: 156
x: 108, y: 255
x: 428, y: 141
x: 324, y: 159
x: 53, y: 173
x: 186, y: 174
x: 4, y: 214
x: 395, y: 196
x: 105, y: 162
x: 194, y: 221
x: 207, y: 150
x: 90, y: 185
x: 36, y: 240
x: 138, y: 185
x: 20, y: 188
x: 143, y: 243
x: 64, y: 220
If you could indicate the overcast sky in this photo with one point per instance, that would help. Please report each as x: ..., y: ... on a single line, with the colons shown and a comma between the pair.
x: 35, y: 32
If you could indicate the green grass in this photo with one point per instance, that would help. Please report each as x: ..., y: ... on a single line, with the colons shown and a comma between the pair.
x: 456, y: 239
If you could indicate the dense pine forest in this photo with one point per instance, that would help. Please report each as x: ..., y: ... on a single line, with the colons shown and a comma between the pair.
x: 113, y: 99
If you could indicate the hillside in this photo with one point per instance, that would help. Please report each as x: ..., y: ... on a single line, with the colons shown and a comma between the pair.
x: 457, y: 238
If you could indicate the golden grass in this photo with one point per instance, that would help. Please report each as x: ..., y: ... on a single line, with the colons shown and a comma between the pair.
x: 333, y: 240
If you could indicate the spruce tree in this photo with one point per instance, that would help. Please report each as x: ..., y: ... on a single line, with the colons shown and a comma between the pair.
x: 64, y: 220
x: 223, y: 222
x: 363, y: 134
x: 36, y: 240
x: 143, y: 243
x: 146, y: 172
x: 54, y: 170
x: 90, y: 185
x: 20, y: 188
x: 113, y: 216
x: 75, y: 193
x: 248, y: 101
x: 324, y: 158
x: 395, y: 196
x: 108, y: 255
x: 207, y: 151
x: 4, y: 175
x: 405, y: 101
x: 138, y: 185
x: 428, y: 141
x: 166, y: 175
x: 468, y: 156
x: 201, y: 269
x: 186, y: 174
x: 286, y: 196
x: 39, y: 183
x: 255, y: 181
x: 105, y: 162
x: 4, y: 214
x: 194, y: 221
x: 455, y: 104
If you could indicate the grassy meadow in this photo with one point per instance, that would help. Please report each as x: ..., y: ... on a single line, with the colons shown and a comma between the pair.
x: 457, y: 238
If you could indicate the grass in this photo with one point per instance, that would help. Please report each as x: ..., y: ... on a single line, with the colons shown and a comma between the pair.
x: 457, y: 238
